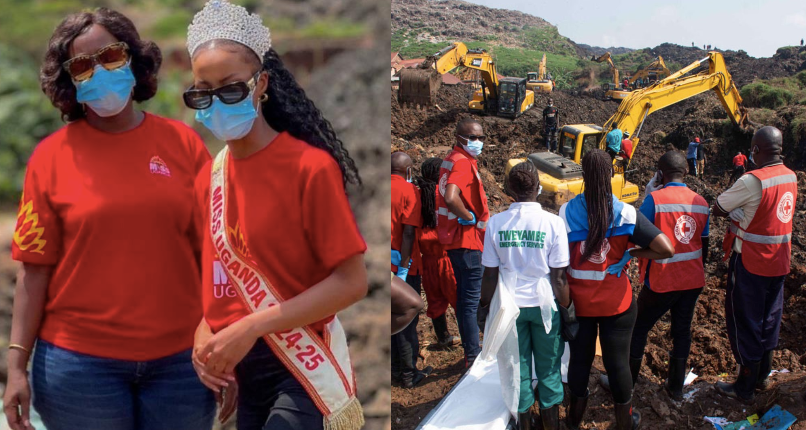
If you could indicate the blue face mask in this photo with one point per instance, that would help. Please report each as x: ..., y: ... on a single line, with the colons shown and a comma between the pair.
x: 108, y: 91
x: 474, y: 147
x: 228, y: 122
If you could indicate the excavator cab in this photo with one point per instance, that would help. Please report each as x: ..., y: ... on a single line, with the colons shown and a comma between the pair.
x: 513, y: 98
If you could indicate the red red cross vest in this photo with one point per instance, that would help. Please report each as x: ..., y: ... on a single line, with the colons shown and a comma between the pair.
x: 596, y: 293
x: 447, y: 222
x: 766, y: 246
x: 681, y: 214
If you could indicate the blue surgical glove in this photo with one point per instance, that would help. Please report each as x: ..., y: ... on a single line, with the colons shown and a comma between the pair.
x: 402, y: 273
x: 618, y: 268
x: 396, y: 258
x: 472, y: 221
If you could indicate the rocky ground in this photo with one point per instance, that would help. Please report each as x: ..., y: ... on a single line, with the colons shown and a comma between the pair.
x: 429, y: 132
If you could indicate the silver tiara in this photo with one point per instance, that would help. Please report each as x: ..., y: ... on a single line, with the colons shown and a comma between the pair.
x: 221, y: 19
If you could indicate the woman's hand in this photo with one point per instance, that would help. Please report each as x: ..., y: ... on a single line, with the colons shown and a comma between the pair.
x: 17, y: 400
x: 213, y: 381
x: 222, y: 352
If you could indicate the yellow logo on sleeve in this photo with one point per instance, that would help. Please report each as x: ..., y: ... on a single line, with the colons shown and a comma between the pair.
x: 28, y: 235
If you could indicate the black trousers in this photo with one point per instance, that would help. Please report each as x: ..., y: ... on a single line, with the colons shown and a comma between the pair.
x: 406, y: 345
x: 614, y: 336
x: 269, y: 397
x: 652, y: 306
x: 738, y: 171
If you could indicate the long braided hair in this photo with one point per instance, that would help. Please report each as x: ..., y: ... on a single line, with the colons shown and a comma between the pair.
x: 523, y: 180
x: 289, y: 109
x: 597, y: 170
x: 427, y: 182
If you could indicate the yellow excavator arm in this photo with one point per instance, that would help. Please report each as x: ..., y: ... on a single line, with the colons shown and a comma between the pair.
x: 606, y: 57
x: 541, y: 69
x: 640, y: 103
x: 459, y: 55
x: 658, y: 67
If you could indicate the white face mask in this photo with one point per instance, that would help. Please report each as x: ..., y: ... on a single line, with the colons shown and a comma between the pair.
x: 753, y: 151
x: 473, y: 147
x: 408, y: 175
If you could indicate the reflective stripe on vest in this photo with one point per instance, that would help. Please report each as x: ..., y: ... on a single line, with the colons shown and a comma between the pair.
x: 675, y: 207
x: 447, y: 165
x: 683, y: 256
x: 446, y: 212
x: 779, y: 180
x: 588, y: 275
x: 757, y: 238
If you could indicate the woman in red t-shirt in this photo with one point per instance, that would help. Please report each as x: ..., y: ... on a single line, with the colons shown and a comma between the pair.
x: 282, y: 252
x: 109, y: 246
x: 438, y: 280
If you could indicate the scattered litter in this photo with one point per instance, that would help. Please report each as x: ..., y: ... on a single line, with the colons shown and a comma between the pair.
x: 780, y: 371
x: 723, y: 375
x: 775, y: 419
x: 688, y: 397
x: 752, y: 419
x: 690, y: 377
x: 718, y: 422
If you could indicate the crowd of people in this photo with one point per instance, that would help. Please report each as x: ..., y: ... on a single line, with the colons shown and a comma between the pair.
x: 568, y: 273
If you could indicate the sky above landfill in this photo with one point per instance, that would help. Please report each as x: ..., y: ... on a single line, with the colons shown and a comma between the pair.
x: 758, y: 27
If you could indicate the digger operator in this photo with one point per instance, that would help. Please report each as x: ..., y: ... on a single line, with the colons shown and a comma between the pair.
x: 551, y: 119
x: 758, y: 242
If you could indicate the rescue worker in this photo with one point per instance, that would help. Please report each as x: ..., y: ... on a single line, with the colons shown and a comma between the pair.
x: 761, y: 205
x: 701, y: 159
x: 438, y: 280
x: 600, y: 231
x: 406, y: 219
x: 529, y: 246
x: 671, y: 285
x: 625, y: 83
x: 462, y: 216
x: 739, y: 166
x: 691, y: 156
x: 613, y: 140
x: 551, y: 120
x: 626, y: 146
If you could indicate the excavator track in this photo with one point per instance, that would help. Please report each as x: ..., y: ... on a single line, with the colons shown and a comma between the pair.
x: 419, y: 86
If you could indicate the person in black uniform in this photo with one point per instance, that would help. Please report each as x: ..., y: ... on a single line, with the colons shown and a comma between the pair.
x: 551, y: 117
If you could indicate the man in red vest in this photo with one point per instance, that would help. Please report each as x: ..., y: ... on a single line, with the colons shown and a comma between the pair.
x: 739, y: 166
x: 761, y: 205
x: 674, y: 284
x: 462, y: 216
x: 406, y: 219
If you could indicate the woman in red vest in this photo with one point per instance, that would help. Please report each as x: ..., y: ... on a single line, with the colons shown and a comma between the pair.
x: 282, y: 252
x: 438, y: 278
x: 601, y: 232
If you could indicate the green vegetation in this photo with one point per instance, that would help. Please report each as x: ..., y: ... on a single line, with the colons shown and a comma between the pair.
x: 775, y: 93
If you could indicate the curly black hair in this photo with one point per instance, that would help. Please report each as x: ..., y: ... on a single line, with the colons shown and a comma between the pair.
x: 289, y: 108
x: 57, y: 84
x: 428, y: 186
x: 523, y: 180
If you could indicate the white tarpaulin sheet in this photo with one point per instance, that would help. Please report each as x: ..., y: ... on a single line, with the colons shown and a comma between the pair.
x: 486, y: 397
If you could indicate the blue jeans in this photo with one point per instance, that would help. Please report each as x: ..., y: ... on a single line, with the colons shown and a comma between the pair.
x: 467, y: 270
x: 269, y: 397
x: 77, y: 391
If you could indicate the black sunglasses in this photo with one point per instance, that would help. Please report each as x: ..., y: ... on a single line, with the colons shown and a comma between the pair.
x: 228, y: 94
x: 481, y: 138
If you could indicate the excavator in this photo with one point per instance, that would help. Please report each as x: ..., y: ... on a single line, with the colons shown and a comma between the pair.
x: 506, y: 97
x: 561, y: 175
x: 650, y: 74
x: 612, y: 90
x: 537, y: 81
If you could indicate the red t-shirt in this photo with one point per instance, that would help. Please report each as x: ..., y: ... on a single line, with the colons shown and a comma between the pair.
x: 471, y: 189
x: 406, y: 210
x: 297, y: 226
x: 114, y: 214
x: 739, y: 160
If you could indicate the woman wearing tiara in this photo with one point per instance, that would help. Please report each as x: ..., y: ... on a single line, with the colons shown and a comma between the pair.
x: 282, y: 252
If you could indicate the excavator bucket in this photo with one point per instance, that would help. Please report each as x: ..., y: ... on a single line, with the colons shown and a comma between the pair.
x: 419, y: 86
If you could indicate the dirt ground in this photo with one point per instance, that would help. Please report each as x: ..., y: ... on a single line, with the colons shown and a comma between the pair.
x: 428, y: 132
